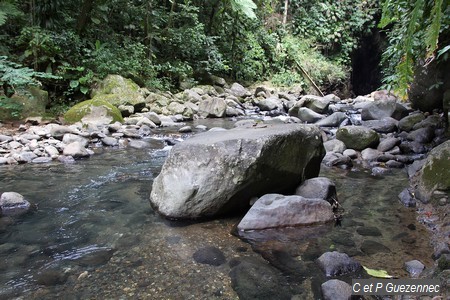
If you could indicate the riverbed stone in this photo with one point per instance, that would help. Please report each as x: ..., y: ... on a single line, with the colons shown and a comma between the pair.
x: 336, y: 263
x: 388, y: 143
x: 408, y: 122
x: 414, y: 268
x: 318, y: 188
x: 377, y: 110
x: 217, y: 172
x: 385, y: 125
x: 372, y: 247
x: 95, y: 111
x: 308, y: 115
x: 70, y: 138
x: 337, y: 159
x: 210, y: 256
x: 13, y: 204
x: 24, y: 157
x: 422, y: 135
x: 350, y: 153
x: 370, y: 154
x: 335, y: 289
x: 406, y: 198
x: 358, y: 137
x: 5, y: 138
x: 275, y: 211
x: 435, y: 173
x: 333, y: 120
x: 368, y: 231
x: 316, y: 103
x: 42, y: 160
x: 334, y: 145
x: 239, y: 91
x: 269, y: 104
x: 212, y: 108
x: 76, y: 150
x: 253, y: 279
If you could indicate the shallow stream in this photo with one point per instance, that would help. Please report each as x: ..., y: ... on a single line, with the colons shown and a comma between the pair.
x: 94, y: 235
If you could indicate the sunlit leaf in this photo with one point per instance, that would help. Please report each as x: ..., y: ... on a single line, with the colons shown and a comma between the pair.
x: 377, y: 273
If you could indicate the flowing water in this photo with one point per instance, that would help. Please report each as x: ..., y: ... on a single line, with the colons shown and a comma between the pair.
x: 95, y: 236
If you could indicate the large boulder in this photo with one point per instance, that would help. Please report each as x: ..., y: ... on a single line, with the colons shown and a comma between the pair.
x: 275, y: 211
x: 212, y: 108
x: 93, y: 111
x: 30, y: 102
x: 118, y: 90
x: 358, y: 137
x: 435, y: 173
x: 377, y: 110
x: 316, y: 103
x: 218, y: 172
x: 13, y: 204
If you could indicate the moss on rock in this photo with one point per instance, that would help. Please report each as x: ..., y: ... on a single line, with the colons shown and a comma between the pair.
x: 83, y: 109
x: 118, y: 90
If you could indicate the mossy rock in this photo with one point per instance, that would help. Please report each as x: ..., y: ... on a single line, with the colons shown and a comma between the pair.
x: 30, y: 102
x: 83, y: 109
x: 118, y: 90
x: 435, y: 173
x: 358, y: 137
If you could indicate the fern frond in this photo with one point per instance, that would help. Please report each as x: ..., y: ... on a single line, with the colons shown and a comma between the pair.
x: 246, y: 7
x: 432, y: 33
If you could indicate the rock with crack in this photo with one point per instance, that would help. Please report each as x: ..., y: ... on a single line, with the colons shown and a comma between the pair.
x: 218, y: 172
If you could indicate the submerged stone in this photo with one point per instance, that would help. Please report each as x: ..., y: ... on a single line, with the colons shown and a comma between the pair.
x: 210, y: 256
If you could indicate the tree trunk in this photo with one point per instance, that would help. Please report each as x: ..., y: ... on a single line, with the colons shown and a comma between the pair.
x: 84, y: 15
x: 285, y: 14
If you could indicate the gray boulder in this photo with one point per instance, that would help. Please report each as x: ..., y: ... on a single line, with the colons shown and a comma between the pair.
x: 408, y: 122
x: 388, y: 143
x: 414, y: 268
x: 13, y: 204
x: 336, y: 263
x: 70, y: 138
x: 334, y: 146
x: 422, y: 135
x: 239, y: 91
x: 76, y: 150
x: 308, y: 115
x: 217, y: 172
x: 316, y: 103
x: 333, y: 120
x: 385, y: 125
x: 377, y: 110
x: 318, y: 188
x: 212, y: 107
x: 358, y: 137
x: 270, y: 104
x: 435, y: 173
x: 275, y: 211
x: 335, y: 289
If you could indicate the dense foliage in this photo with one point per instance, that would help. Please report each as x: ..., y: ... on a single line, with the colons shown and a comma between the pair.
x: 418, y: 33
x: 165, y: 44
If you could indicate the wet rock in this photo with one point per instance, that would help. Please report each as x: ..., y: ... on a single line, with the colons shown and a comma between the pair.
x: 24, y: 157
x: 358, y: 137
x: 212, y: 108
x: 433, y: 121
x: 13, y: 204
x: 435, y: 173
x: 350, y: 153
x: 210, y: 256
x: 422, y: 135
x: 388, y: 143
x: 51, y: 277
x: 66, y: 159
x: 316, y: 103
x: 336, y: 159
x: 407, y: 123
x: 76, y: 150
x: 58, y: 131
x: 380, y: 171
x: 137, y: 144
x: 372, y: 247
x: 109, y: 141
x: 335, y: 289
x: 95, y: 257
x: 370, y: 154
x: 334, y: 120
x: 146, y: 121
x: 368, y: 231
x: 249, y: 283
x: 308, y: 115
x: 275, y: 210
x: 217, y: 172
x: 406, y: 198
x: 385, y: 125
x: 414, y: 268
x: 336, y: 263
x: 269, y: 104
x: 5, y: 138
x: 394, y: 164
x: 185, y: 129
x: 318, y: 188
x: 335, y: 145
x: 42, y: 160
x: 3, y: 161
x: 70, y: 138
x: 378, y: 110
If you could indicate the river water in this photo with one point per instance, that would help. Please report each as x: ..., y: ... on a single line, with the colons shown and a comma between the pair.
x: 95, y: 236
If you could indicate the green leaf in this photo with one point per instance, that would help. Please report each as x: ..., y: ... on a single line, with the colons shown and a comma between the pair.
x: 74, y: 84
x: 377, y: 273
x: 432, y: 33
x: 443, y: 50
x: 84, y: 89
x: 95, y: 21
x: 246, y: 7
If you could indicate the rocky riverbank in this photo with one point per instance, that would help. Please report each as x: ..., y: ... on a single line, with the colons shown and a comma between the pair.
x: 374, y: 132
